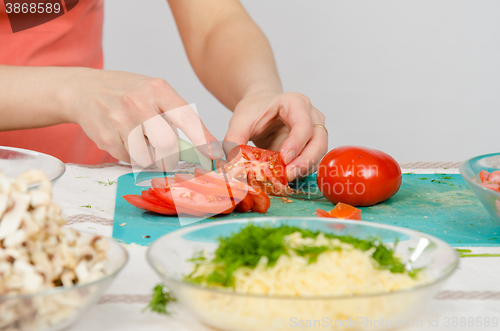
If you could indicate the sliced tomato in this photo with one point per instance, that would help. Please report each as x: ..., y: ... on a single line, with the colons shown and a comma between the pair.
x: 163, y: 183
x: 261, y: 201
x: 139, y: 202
x: 491, y: 186
x: 484, y: 175
x: 265, y: 169
x: 322, y: 213
x: 245, y: 205
x: 494, y: 177
x: 341, y: 210
x: 219, y: 179
x: 196, y: 184
x: 185, y: 198
x: 148, y: 195
x: 346, y: 211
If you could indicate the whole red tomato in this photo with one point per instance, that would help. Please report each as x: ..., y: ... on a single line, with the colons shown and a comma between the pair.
x: 358, y: 176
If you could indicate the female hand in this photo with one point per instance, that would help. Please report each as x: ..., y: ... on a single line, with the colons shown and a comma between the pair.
x: 119, y: 110
x: 284, y: 122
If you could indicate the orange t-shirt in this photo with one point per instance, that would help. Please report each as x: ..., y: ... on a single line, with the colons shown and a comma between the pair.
x: 73, y: 39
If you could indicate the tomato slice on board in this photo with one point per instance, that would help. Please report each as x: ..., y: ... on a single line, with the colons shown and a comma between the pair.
x: 196, y: 184
x: 245, y: 205
x: 346, y: 211
x: 322, y: 213
x: 484, y: 175
x: 163, y: 183
x: 265, y: 169
x: 149, y: 196
x: 261, y: 201
x: 185, y: 198
x: 219, y: 179
x: 139, y: 202
x: 341, y: 210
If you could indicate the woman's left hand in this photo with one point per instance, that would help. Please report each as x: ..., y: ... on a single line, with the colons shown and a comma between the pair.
x: 281, y: 122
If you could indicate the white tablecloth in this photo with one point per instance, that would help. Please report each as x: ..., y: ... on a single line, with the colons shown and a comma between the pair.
x: 87, y: 196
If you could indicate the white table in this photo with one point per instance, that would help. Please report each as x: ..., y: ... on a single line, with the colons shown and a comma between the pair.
x: 472, y: 294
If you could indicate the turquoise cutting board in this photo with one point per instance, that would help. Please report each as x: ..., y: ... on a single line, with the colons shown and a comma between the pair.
x: 437, y: 204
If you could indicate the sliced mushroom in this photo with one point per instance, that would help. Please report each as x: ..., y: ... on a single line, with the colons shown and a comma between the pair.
x: 11, y: 220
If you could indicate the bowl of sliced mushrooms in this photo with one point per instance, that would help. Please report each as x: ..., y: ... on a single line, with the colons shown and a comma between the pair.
x: 49, y: 274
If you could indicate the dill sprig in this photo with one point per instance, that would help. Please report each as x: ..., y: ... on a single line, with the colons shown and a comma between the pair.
x: 246, y: 247
x: 159, y: 301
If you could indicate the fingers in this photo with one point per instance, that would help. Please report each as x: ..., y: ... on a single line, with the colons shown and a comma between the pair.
x: 138, y: 147
x: 187, y: 120
x: 238, y: 132
x: 119, y: 152
x: 164, y: 142
x: 297, y: 116
x: 311, y: 154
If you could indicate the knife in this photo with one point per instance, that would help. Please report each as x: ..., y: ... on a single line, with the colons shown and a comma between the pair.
x: 305, y: 188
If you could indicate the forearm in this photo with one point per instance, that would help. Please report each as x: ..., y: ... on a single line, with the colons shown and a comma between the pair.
x: 32, y: 97
x: 230, y: 54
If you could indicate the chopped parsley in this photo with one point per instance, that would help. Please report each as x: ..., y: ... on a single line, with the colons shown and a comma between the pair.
x: 250, y: 244
x: 159, y: 301
x: 108, y: 183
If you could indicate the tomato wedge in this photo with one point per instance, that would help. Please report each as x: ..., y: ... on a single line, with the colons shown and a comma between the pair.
x: 265, y: 169
x: 484, y: 175
x: 148, y: 195
x: 187, y: 199
x: 198, y: 185
x: 494, y: 177
x: 322, y: 213
x: 245, y: 205
x: 261, y: 201
x: 341, y: 210
x: 219, y: 179
x: 163, y: 183
x: 139, y: 202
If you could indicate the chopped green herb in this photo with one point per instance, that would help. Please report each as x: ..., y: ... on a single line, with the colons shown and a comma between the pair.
x: 479, y: 255
x: 86, y: 206
x: 247, y: 247
x: 441, y: 182
x: 424, y: 178
x: 409, y: 173
x: 444, y: 176
x: 159, y: 301
x: 463, y: 250
x: 312, y: 252
x: 109, y: 182
x: 492, y: 238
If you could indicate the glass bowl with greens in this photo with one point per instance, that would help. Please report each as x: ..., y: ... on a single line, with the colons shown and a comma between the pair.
x: 288, y: 272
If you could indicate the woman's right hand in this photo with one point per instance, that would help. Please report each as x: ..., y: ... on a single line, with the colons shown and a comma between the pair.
x: 117, y: 110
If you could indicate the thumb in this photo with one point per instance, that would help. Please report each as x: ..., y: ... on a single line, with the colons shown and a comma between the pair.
x: 238, y: 133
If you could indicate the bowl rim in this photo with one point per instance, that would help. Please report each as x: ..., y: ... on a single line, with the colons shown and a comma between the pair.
x: 62, y: 289
x: 35, y: 153
x: 470, y: 180
x: 450, y: 269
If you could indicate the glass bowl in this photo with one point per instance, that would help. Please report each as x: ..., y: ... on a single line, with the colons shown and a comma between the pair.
x: 60, y: 307
x: 239, y: 312
x: 15, y: 161
x: 470, y: 172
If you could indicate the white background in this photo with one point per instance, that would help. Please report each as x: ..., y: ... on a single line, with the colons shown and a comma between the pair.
x: 419, y: 80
